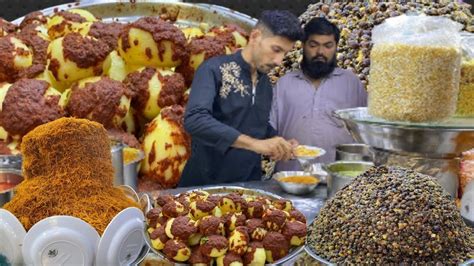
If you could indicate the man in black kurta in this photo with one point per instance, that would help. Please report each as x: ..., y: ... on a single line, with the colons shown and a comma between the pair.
x: 228, y: 111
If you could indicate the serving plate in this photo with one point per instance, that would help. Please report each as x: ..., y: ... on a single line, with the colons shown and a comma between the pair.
x: 223, y: 191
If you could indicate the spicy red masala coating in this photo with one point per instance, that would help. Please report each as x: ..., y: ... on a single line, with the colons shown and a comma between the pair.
x: 183, y: 227
x: 171, y: 92
x: 250, y: 254
x: 26, y: 107
x: 170, y: 209
x: 274, y: 220
x: 33, y: 18
x: 277, y: 244
x: 294, y: 228
x: 85, y: 52
x: 211, y: 225
x: 107, y: 32
x: 172, y: 247
x: 197, y: 257
x: 159, y: 233
x: 216, y: 241
x: 99, y: 101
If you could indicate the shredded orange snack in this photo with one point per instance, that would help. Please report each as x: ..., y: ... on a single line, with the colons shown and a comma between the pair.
x: 68, y: 170
x: 304, y: 179
x: 305, y: 152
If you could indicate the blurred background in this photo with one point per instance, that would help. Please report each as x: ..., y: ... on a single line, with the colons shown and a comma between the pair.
x: 14, y: 9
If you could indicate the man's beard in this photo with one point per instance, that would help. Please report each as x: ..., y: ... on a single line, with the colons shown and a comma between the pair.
x: 316, y: 68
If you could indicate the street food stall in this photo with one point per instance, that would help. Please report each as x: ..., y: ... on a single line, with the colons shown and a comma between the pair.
x: 92, y: 143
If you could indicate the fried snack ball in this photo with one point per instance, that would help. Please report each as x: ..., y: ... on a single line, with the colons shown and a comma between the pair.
x: 296, y: 215
x: 6, y: 27
x: 174, y: 209
x: 15, y: 57
x: 154, y: 89
x: 295, y: 232
x: 233, y: 220
x: 274, y: 220
x: 232, y: 203
x: 201, y: 208
x: 283, y: 204
x: 100, y: 99
x: 181, y: 228
x: 214, y: 246
x: 230, y: 259
x: 64, y: 22
x: 198, y: 259
x: 153, y: 42
x: 255, y: 255
x: 158, y: 238
x: 233, y: 36
x: 74, y: 57
x: 239, y: 240
x: 167, y: 147
x: 177, y: 250
x: 276, y: 246
x: 211, y: 225
x: 27, y: 104
x: 256, y: 229
x: 200, y: 49
x: 254, y: 209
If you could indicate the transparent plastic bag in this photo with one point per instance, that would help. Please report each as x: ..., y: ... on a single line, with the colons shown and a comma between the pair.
x: 415, y: 68
x: 465, y: 105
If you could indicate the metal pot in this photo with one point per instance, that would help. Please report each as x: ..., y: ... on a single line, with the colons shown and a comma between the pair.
x: 117, y: 162
x: 354, y: 152
x: 130, y: 170
x: 9, y: 176
x: 336, y: 178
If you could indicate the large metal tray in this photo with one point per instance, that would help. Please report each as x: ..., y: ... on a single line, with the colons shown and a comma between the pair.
x: 446, y: 139
x: 245, y: 191
x: 186, y: 14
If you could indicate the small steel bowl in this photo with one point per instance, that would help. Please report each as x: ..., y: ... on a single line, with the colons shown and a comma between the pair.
x: 297, y: 188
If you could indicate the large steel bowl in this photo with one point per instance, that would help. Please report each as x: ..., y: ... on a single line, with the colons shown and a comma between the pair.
x: 445, y: 139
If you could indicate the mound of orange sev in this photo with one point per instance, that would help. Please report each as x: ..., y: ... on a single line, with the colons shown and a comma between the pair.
x: 68, y: 170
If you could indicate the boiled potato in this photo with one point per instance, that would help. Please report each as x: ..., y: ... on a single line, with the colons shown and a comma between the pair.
x: 201, y: 208
x: 283, y: 204
x: 158, y: 237
x: 68, y: 21
x: 233, y: 36
x: 255, y: 255
x: 19, y: 58
x: 108, y: 101
x: 232, y: 203
x: 192, y: 32
x: 166, y: 147
x: 194, y: 239
x: 214, y: 246
x: 177, y: 250
x: 154, y: 90
x: 229, y: 259
x: 21, y: 94
x: 3, y: 92
x: 152, y: 42
x: 64, y: 70
x: 114, y: 66
x: 239, y: 240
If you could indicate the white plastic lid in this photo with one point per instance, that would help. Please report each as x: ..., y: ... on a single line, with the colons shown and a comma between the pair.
x: 12, y: 234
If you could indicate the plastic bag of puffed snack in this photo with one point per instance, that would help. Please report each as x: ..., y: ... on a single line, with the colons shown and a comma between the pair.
x: 415, y: 68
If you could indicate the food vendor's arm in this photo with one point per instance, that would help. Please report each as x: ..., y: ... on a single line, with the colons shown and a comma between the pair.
x: 199, y: 120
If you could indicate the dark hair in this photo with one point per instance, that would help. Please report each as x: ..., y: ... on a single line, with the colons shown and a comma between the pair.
x: 320, y: 26
x: 281, y: 23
